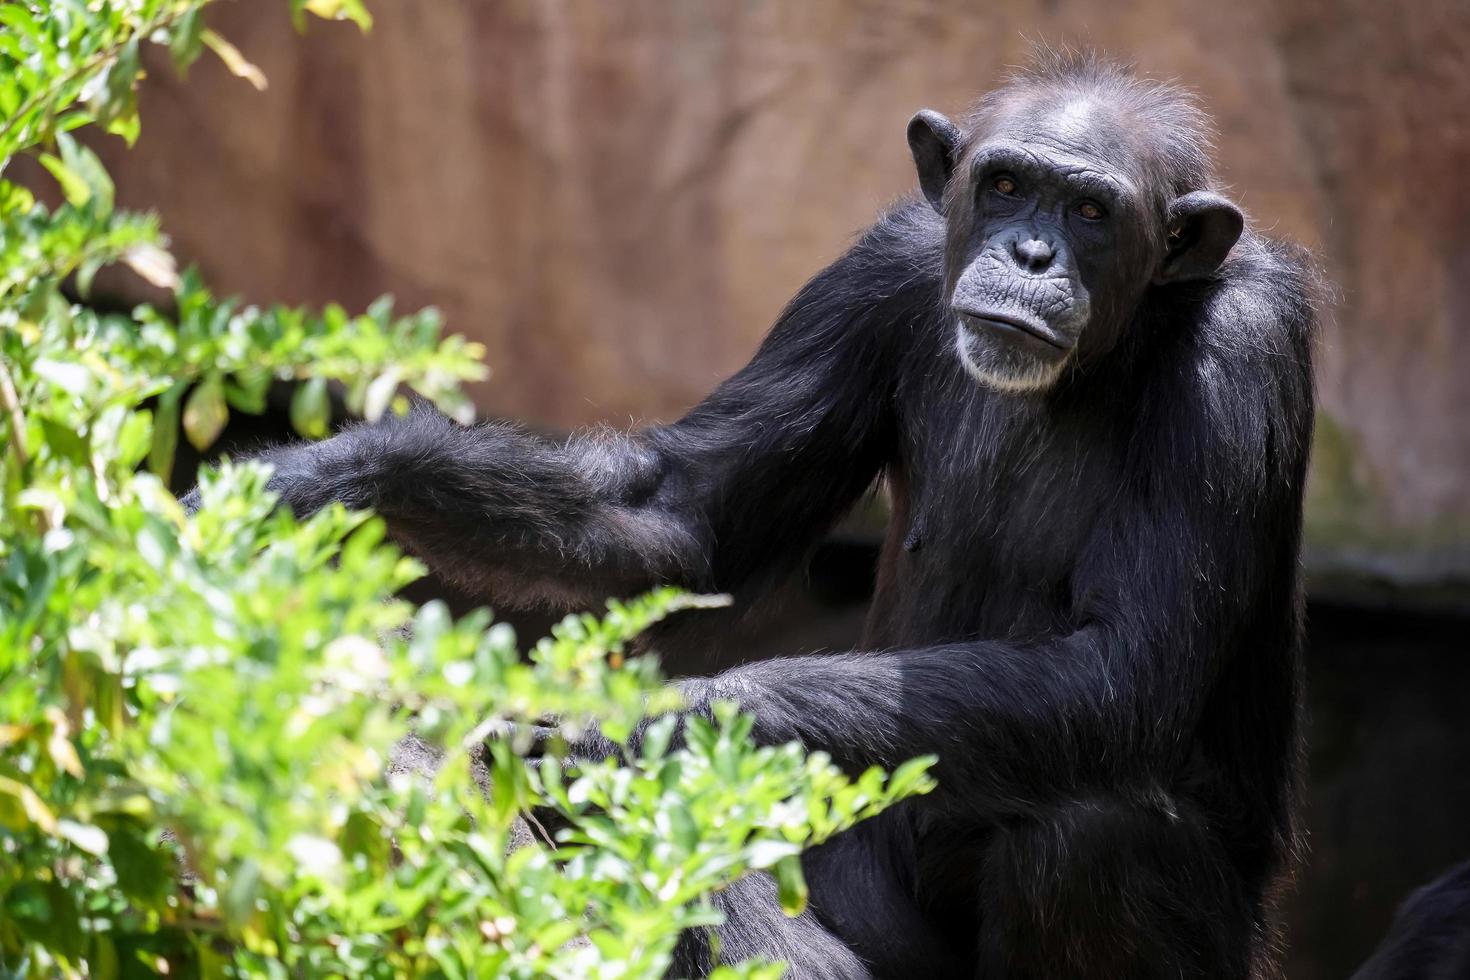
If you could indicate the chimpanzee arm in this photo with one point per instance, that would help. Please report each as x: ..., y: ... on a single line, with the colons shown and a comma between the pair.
x: 1113, y: 702
x: 1190, y: 576
x: 746, y: 481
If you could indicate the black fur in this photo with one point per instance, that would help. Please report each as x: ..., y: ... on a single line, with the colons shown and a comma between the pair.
x: 1088, y: 601
x: 1430, y: 938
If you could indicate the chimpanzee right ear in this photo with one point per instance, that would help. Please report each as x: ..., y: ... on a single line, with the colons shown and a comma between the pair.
x: 935, y: 143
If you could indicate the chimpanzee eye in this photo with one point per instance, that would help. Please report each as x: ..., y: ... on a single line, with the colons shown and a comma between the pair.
x: 1005, y: 183
x: 1090, y: 210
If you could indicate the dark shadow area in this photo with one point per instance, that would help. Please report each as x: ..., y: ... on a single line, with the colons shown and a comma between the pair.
x: 1387, y: 789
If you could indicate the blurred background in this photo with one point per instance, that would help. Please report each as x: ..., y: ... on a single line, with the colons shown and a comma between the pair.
x: 618, y: 198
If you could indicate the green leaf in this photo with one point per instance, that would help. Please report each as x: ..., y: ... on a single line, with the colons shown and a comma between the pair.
x: 206, y: 413
x: 165, y: 432
x: 187, y: 41
x: 21, y: 808
x: 143, y: 871
x: 115, y: 101
x: 14, y: 197
x: 86, y: 272
x: 73, y: 187
x: 65, y: 441
x: 103, y: 962
x: 125, y: 126
x: 247, y: 391
x: 238, y: 900
x: 82, y: 162
x: 310, y: 409
x: 912, y: 777
x: 791, y: 888
x: 20, y: 20
x: 48, y: 912
x: 657, y: 737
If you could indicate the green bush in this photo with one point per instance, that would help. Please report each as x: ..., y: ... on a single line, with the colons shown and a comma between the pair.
x: 197, y: 714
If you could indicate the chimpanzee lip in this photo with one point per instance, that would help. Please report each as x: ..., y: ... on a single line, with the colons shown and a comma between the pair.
x: 1006, y: 323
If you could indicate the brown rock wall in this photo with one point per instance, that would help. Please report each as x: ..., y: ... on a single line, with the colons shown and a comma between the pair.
x: 617, y: 198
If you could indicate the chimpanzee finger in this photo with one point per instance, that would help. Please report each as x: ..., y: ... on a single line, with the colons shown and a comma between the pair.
x: 531, y: 741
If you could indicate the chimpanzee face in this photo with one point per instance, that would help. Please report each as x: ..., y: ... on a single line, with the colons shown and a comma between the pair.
x: 1054, y: 235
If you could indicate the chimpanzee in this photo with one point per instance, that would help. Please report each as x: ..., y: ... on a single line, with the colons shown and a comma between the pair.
x: 1088, y: 389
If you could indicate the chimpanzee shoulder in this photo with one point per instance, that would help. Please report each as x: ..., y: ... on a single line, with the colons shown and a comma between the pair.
x: 1430, y: 937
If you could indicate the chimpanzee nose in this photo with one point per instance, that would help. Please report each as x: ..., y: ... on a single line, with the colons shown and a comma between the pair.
x: 1033, y: 254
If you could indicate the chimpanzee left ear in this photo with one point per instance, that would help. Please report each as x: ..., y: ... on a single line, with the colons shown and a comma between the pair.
x: 935, y: 143
x: 1202, y: 229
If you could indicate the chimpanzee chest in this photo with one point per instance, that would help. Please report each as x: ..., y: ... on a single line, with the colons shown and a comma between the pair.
x: 992, y: 513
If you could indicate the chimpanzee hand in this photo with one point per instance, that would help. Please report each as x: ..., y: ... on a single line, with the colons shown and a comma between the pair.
x: 591, y: 745
x: 309, y: 476
x: 535, y: 744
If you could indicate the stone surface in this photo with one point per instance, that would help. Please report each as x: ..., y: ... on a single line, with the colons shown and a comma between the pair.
x: 618, y: 198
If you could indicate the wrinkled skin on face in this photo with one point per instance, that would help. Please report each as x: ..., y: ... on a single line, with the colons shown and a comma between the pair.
x: 1056, y: 229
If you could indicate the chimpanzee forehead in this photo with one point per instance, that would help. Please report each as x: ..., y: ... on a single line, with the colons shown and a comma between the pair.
x: 1074, y: 128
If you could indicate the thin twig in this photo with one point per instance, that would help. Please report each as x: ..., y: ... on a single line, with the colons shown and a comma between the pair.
x: 11, y: 402
x: 531, y: 819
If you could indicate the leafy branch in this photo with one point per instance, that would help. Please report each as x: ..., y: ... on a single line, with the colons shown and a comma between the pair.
x: 229, y: 691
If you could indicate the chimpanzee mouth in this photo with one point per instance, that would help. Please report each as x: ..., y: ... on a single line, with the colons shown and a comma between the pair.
x: 1014, y: 326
